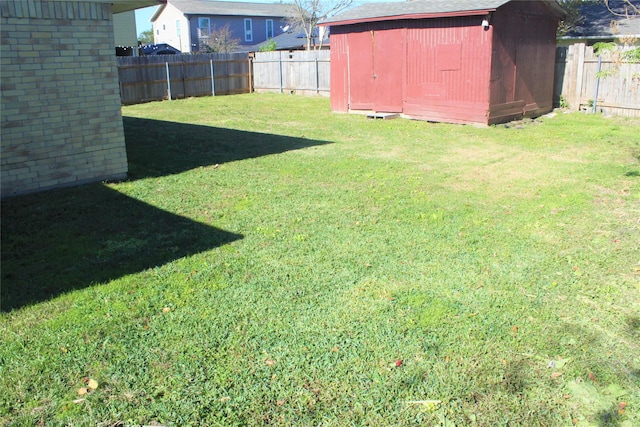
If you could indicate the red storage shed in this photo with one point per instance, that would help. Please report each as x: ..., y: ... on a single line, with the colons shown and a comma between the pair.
x: 458, y: 61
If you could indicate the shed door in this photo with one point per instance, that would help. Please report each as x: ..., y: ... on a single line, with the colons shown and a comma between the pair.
x: 360, y: 71
x: 376, y: 64
x: 388, y: 65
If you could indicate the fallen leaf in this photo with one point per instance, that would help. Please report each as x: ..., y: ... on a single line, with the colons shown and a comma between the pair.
x: 92, y: 384
x: 279, y: 402
x: 592, y: 377
x: 166, y: 310
x: 556, y: 375
x: 79, y: 400
x: 430, y: 405
x: 559, y: 362
x: 335, y: 349
x: 82, y: 391
x: 225, y: 398
x: 567, y: 396
x: 615, y: 391
x: 622, y: 405
x: 269, y: 362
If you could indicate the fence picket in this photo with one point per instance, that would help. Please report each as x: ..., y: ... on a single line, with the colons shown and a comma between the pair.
x: 154, y: 78
x: 577, y: 78
x: 304, y: 72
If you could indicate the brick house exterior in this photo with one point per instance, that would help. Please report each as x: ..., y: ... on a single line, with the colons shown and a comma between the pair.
x: 61, y: 119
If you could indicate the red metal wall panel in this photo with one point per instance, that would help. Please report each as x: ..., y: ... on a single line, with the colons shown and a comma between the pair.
x: 339, y: 76
x: 360, y: 70
x: 523, y: 61
x: 388, y: 69
x: 448, y: 69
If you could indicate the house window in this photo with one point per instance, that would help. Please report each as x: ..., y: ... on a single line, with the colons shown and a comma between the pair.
x: 203, y: 27
x: 269, y: 29
x: 248, y: 31
x: 178, y: 30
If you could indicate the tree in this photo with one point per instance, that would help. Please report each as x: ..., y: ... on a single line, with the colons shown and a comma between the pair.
x: 623, y: 50
x: 305, y: 14
x: 619, y: 8
x: 269, y: 46
x: 627, y: 8
x: 146, y: 37
x: 573, y: 17
x: 221, y: 40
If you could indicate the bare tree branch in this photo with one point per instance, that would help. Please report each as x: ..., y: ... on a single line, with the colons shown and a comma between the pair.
x: 221, y: 40
x: 305, y: 14
x: 630, y: 8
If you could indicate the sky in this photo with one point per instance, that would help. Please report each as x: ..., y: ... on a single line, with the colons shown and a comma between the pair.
x: 143, y: 15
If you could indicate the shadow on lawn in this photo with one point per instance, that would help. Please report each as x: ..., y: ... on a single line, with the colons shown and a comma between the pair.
x: 158, y: 148
x: 59, y: 241
x: 69, y: 239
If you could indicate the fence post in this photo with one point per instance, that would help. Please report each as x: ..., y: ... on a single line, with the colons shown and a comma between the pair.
x: 280, y: 66
x: 250, y: 64
x: 184, y: 77
x: 595, y: 95
x: 580, y: 73
x: 317, y: 74
x: 168, y: 81
x: 213, y: 80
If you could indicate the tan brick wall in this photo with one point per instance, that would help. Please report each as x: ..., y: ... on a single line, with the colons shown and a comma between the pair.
x: 61, y: 121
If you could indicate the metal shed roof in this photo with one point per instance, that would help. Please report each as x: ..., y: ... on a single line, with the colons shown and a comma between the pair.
x: 226, y: 8
x: 418, y: 9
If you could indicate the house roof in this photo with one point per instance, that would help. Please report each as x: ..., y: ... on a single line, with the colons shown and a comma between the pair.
x: 226, y: 8
x: 596, y: 21
x: 118, y: 6
x: 418, y: 9
x: 291, y: 40
x: 160, y: 49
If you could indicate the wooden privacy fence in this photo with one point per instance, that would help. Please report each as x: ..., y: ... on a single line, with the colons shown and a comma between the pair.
x: 578, y: 85
x: 303, y: 72
x: 152, y: 78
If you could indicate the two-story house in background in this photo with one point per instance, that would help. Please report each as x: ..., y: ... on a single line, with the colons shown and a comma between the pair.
x: 187, y: 24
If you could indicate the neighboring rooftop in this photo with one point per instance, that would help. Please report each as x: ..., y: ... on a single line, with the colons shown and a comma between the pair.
x: 421, y: 9
x: 292, y: 40
x: 159, y: 49
x: 227, y: 8
x: 596, y: 21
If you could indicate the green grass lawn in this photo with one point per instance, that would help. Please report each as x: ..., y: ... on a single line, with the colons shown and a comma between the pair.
x: 272, y: 263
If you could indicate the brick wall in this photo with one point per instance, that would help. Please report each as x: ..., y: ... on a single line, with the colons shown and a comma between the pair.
x: 61, y: 120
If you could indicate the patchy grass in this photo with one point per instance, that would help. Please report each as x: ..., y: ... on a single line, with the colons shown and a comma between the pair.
x: 272, y: 263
